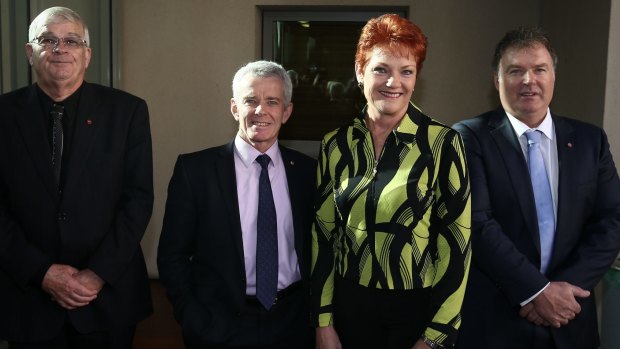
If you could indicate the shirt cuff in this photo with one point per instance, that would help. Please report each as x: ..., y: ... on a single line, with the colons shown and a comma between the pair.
x: 525, y: 302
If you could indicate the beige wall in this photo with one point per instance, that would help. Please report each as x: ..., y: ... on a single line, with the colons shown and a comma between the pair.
x: 580, y: 32
x: 180, y: 56
x: 612, y: 92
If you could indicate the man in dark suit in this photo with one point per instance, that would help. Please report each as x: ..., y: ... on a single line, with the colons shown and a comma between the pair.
x: 537, y: 257
x: 75, y: 199
x: 211, y: 248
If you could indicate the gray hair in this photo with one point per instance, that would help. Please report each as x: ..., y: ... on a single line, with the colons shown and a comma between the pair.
x: 263, y: 69
x: 55, y: 15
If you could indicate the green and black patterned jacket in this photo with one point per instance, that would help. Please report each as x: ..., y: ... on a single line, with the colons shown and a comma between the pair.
x: 401, y: 223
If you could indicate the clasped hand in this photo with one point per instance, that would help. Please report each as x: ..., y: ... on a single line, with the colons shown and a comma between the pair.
x: 70, y: 287
x: 555, y: 306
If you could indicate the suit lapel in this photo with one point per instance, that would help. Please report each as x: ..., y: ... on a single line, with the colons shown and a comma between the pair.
x: 88, y: 120
x: 34, y: 133
x: 568, y: 166
x: 295, y: 197
x: 510, y: 149
x: 225, y: 169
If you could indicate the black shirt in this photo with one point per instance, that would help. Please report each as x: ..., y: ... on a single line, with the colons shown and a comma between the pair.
x: 71, y: 104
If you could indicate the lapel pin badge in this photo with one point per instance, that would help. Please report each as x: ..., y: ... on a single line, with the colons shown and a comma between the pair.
x: 570, y: 145
x: 89, y: 122
x: 292, y: 162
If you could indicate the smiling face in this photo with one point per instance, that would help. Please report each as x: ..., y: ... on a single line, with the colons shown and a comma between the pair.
x: 525, y: 81
x: 259, y: 107
x: 388, y: 81
x: 63, y: 67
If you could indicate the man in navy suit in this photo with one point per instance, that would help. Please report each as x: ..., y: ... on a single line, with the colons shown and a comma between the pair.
x: 76, y: 194
x: 535, y: 266
x: 208, y: 250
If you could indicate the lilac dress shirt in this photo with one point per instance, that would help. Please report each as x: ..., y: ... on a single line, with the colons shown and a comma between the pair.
x: 247, y: 172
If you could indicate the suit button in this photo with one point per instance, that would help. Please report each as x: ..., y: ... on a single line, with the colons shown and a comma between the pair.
x: 62, y: 216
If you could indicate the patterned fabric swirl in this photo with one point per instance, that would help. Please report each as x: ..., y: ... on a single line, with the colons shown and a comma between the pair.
x: 399, y: 223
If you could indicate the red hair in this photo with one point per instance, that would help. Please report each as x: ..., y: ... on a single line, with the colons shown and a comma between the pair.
x: 394, y: 33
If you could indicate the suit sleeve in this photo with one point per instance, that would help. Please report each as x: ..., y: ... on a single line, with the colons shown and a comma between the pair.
x: 177, y: 241
x: 600, y: 237
x: 26, y: 263
x: 492, y: 250
x: 122, y: 242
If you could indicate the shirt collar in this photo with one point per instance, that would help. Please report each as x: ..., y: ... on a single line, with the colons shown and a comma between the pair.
x: 70, y: 103
x: 248, y: 153
x: 546, y: 126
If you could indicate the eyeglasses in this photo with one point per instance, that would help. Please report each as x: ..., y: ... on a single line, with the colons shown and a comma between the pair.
x: 70, y: 42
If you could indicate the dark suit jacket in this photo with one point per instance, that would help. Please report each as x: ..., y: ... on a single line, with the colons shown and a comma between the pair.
x: 200, y: 256
x: 97, y: 222
x: 505, y: 241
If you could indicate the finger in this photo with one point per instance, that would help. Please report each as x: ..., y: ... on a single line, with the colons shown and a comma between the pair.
x: 580, y: 292
x: 532, y: 316
x: 79, y: 289
x: 535, y: 319
x: 64, y: 304
x: 526, y: 310
x: 555, y: 323
x: 73, y: 303
x: 74, y: 296
x: 71, y: 300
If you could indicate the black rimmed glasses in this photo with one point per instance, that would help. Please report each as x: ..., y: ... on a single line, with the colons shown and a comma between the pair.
x: 48, y: 41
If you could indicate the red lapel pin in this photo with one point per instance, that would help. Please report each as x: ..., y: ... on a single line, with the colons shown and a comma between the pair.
x: 570, y: 145
x: 89, y: 122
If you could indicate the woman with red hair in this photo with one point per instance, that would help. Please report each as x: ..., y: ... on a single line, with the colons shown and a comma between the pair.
x: 391, y: 246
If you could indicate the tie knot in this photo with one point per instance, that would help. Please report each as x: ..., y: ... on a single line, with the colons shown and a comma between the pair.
x: 533, y: 136
x: 57, y: 110
x: 263, y: 160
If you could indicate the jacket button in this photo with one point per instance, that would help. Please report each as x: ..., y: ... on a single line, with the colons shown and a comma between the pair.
x: 62, y: 216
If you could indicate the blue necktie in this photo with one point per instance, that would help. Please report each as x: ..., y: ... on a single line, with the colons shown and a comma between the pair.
x: 266, y: 239
x: 543, y: 197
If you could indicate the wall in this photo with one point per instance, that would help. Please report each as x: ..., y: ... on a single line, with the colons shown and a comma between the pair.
x: 181, y: 55
x: 579, y: 32
x: 612, y: 90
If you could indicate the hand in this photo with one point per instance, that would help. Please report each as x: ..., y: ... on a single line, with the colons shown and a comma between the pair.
x: 529, y: 312
x: 89, y: 279
x: 327, y: 338
x: 60, y: 282
x: 557, y: 304
x: 420, y: 345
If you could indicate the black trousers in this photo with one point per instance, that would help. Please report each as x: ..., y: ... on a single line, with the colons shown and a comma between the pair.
x: 70, y: 338
x: 285, y: 326
x: 374, y: 318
